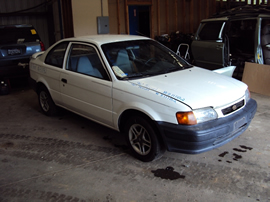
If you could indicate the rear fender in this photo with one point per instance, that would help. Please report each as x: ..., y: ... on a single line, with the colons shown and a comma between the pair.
x: 36, y: 55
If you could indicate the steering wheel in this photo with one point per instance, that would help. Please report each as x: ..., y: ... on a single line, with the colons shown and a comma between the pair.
x: 146, y: 63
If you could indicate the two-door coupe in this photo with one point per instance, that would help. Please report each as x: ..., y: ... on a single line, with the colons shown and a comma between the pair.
x: 137, y: 86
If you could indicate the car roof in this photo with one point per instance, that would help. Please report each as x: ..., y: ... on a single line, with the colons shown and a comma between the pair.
x: 244, y: 11
x: 106, y: 38
x: 215, y: 19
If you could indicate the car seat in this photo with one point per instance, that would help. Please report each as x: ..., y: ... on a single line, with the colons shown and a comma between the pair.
x: 84, y: 66
x: 123, y: 62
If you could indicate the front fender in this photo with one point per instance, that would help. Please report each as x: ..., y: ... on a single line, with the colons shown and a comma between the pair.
x: 128, y: 96
x: 227, y: 71
x: 155, y: 111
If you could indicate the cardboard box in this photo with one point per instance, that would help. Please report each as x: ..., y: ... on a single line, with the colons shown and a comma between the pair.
x: 257, y: 77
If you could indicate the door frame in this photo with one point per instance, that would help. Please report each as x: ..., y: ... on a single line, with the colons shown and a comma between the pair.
x: 139, y: 3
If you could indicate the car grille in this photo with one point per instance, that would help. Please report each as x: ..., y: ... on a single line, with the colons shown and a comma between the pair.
x: 233, y: 107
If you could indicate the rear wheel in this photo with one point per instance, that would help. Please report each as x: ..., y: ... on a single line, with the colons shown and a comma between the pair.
x: 142, y: 140
x: 46, y: 103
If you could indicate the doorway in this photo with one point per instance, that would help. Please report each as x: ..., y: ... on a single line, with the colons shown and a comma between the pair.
x: 139, y: 20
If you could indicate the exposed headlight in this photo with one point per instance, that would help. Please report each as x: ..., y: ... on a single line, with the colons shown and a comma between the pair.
x: 196, y: 116
x: 205, y: 114
x: 247, y: 95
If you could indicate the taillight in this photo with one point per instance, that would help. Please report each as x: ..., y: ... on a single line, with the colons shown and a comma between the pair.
x: 42, y: 46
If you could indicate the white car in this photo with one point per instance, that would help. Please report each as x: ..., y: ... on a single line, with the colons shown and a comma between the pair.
x: 139, y: 87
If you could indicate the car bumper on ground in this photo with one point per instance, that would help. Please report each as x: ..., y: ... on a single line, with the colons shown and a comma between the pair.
x: 206, y: 136
x: 14, y: 69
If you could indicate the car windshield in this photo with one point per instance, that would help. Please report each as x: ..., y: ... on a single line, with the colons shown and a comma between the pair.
x: 141, y: 58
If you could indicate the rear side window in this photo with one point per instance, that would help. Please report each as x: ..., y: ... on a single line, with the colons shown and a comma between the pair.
x: 15, y: 35
x: 211, y: 30
x: 56, y: 56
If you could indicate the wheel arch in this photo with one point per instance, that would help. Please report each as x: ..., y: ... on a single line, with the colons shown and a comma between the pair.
x: 41, y: 82
x: 40, y: 85
x: 124, y: 117
x: 51, y: 108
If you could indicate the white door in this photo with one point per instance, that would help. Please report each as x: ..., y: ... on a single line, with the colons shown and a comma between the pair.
x: 85, y: 85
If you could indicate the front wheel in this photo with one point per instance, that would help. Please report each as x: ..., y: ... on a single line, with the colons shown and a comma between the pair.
x: 46, y: 103
x: 142, y: 140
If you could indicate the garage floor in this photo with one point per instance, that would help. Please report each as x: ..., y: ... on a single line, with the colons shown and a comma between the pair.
x: 69, y: 158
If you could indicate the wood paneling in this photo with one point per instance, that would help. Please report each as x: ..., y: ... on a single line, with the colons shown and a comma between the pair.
x: 139, y: 2
x: 118, y: 18
x: 126, y: 17
x: 67, y: 15
x: 158, y: 18
x: 173, y: 15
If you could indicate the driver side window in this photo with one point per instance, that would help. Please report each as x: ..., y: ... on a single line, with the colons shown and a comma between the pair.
x: 85, y: 60
x: 211, y: 31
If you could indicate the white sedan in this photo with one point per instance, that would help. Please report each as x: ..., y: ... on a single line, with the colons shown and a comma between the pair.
x: 139, y: 87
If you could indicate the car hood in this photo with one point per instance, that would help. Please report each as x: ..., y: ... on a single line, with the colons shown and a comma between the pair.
x: 196, y: 87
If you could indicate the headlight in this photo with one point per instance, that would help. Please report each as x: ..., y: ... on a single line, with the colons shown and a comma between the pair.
x: 205, y: 114
x: 247, y: 95
x: 196, y: 116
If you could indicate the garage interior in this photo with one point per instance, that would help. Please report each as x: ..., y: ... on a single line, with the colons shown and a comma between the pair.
x: 69, y: 158
x: 57, y: 19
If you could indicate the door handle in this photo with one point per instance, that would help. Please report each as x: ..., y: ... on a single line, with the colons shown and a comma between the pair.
x: 64, y: 80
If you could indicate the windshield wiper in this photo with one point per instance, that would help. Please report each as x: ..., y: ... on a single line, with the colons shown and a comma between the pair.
x: 140, y: 75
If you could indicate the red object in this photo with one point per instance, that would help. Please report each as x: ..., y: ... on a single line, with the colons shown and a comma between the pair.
x: 42, y: 46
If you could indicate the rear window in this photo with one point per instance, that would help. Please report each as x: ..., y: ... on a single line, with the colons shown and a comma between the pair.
x: 14, y: 35
x: 211, y: 31
x: 56, y: 56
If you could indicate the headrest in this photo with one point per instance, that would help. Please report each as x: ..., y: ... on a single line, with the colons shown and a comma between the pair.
x: 266, y: 29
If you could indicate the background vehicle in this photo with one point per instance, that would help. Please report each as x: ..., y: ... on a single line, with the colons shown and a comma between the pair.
x: 17, y: 44
x: 233, y: 37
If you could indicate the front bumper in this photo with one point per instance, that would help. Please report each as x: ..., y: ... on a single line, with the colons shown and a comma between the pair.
x: 209, y: 135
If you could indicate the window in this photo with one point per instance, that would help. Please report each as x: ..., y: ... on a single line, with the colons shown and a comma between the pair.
x: 138, y: 58
x: 242, y: 36
x: 211, y: 30
x: 85, y: 60
x: 15, y: 34
x: 56, y: 55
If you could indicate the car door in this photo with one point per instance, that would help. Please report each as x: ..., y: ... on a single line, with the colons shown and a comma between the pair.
x: 208, y: 48
x: 52, y: 69
x: 85, y: 85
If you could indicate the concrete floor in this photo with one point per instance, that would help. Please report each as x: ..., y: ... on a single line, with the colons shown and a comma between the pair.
x: 69, y: 158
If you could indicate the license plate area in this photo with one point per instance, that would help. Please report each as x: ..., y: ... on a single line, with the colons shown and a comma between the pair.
x: 240, y: 123
x: 14, y: 51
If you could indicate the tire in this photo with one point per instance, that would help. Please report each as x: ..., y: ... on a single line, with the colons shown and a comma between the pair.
x: 142, y: 140
x: 46, y: 103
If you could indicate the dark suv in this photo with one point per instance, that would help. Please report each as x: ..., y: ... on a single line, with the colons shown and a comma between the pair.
x: 17, y: 44
x: 232, y: 38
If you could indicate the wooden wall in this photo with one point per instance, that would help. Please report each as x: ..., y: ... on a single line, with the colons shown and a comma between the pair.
x: 168, y: 16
